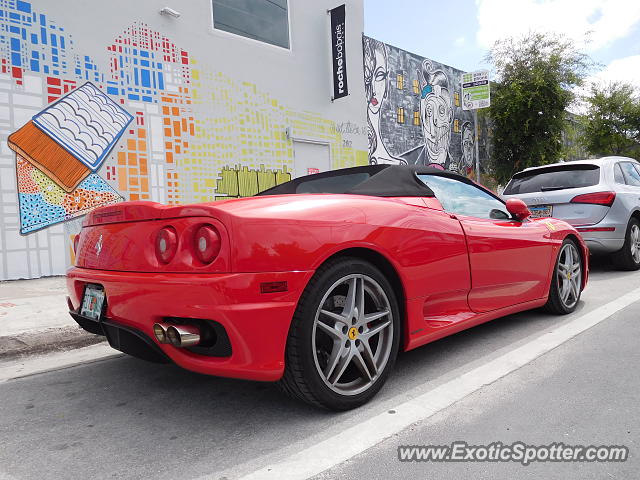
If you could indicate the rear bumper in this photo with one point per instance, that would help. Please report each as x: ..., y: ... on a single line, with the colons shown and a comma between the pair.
x: 256, y: 323
x: 604, y: 242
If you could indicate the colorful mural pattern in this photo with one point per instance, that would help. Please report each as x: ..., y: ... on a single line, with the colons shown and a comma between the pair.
x: 44, y: 203
x: 86, y: 122
x: 193, y: 129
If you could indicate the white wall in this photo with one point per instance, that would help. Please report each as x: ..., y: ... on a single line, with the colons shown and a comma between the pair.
x: 231, y: 103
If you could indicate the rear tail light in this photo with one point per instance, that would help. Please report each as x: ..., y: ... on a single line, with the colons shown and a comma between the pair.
x: 166, y: 244
x: 599, y: 198
x: 76, y: 241
x: 206, y: 243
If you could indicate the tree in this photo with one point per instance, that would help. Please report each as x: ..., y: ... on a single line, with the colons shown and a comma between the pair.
x: 612, y: 122
x: 535, y: 77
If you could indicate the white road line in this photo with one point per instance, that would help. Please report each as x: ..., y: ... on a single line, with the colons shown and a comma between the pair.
x: 354, y: 440
x: 12, y: 369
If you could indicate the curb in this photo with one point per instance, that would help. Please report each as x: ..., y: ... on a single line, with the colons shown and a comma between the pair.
x: 45, y: 341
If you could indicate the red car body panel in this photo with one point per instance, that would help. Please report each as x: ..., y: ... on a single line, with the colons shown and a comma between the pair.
x: 453, y: 272
x: 257, y: 324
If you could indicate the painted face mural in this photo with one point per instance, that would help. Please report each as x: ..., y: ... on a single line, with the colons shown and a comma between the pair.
x: 376, y: 87
x: 436, y: 112
x: 375, y: 74
x: 467, y: 146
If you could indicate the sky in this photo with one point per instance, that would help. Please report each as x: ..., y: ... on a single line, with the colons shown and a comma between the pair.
x: 460, y: 32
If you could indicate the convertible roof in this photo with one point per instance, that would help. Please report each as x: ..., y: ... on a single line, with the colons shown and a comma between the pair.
x: 375, y: 180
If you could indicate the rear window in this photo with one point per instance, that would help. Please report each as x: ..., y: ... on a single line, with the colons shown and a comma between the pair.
x: 553, y: 178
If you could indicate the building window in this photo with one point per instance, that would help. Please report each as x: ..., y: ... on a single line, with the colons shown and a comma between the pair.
x: 456, y: 98
x: 400, y: 81
x: 400, y: 114
x: 416, y: 118
x: 263, y: 20
x: 416, y: 87
x: 456, y: 126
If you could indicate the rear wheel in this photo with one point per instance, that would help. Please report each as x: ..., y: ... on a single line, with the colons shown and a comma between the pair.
x: 344, y: 337
x: 566, y: 283
x: 628, y: 258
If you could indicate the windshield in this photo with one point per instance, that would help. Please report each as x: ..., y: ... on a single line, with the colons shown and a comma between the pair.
x: 553, y: 178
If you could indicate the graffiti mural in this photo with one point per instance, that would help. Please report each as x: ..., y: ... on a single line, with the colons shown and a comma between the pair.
x: 65, y: 144
x: 414, y: 111
x: 189, y: 132
x: 43, y: 203
x: 376, y: 85
x: 239, y: 181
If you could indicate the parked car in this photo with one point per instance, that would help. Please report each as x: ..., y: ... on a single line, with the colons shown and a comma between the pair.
x: 600, y: 198
x: 318, y: 282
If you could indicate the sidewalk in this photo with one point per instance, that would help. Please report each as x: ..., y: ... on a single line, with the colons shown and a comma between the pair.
x: 34, y: 318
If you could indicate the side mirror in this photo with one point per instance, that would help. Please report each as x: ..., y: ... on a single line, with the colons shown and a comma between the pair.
x: 518, y: 208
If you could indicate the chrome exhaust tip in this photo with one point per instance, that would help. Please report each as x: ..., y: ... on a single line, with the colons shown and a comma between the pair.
x: 160, y: 332
x: 183, y: 335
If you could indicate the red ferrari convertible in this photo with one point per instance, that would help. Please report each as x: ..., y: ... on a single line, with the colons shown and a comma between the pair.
x: 318, y: 282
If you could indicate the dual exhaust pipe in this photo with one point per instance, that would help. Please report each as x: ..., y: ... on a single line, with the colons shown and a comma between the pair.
x: 179, y: 336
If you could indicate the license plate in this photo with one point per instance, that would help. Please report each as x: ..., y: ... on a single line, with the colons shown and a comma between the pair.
x: 92, y: 302
x: 541, y: 211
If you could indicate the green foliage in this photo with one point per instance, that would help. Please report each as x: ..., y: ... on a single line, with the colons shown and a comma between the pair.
x: 535, y: 77
x: 573, y: 135
x: 612, y: 124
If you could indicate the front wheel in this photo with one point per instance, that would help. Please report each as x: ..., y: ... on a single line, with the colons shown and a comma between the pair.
x: 566, y: 283
x: 628, y: 258
x: 344, y: 337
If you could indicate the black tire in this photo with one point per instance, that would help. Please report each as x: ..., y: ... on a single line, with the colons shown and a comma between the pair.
x: 555, y: 303
x: 302, y: 378
x: 624, y: 258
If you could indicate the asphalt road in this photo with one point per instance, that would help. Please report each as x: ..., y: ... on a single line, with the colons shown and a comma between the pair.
x: 124, y: 418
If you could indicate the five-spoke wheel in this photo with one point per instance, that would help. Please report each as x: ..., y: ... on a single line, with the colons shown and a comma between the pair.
x: 566, y: 284
x: 344, y: 337
x: 352, y: 334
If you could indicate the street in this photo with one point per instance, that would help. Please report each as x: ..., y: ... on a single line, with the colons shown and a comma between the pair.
x: 124, y: 418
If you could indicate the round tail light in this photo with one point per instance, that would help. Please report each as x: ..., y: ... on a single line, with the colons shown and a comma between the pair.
x: 206, y: 243
x: 166, y: 244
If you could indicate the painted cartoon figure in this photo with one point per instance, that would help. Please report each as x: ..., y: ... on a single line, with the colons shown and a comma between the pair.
x: 375, y: 85
x: 436, y: 113
x: 468, y: 143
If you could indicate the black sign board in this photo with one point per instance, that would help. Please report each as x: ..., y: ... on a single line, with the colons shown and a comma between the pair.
x: 338, y: 53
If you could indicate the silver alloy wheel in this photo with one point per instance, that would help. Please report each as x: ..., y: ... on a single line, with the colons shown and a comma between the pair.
x: 569, y: 274
x: 634, y: 240
x: 352, y: 334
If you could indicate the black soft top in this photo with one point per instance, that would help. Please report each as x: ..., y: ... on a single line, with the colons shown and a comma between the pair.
x: 373, y: 180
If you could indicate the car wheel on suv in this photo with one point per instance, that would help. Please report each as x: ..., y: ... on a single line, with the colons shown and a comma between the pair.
x: 628, y: 258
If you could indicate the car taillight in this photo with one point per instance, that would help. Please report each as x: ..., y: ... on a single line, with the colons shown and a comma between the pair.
x: 206, y: 243
x: 76, y: 241
x: 166, y: 244
x: 599, y: 198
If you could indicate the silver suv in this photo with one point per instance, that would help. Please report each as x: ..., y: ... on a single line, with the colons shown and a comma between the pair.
x: 600, y: 198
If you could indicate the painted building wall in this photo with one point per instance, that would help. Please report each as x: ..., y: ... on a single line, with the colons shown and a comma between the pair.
x: 414, y: 112
x: 215, y: 115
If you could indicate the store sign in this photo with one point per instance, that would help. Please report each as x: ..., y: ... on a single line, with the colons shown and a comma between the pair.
x: 339, y: 52
x: 475, y: 90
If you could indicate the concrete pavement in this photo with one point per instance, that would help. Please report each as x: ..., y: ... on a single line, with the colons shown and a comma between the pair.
x: 124, y: 418
x: 582, y: 393
x: 34, y: 318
